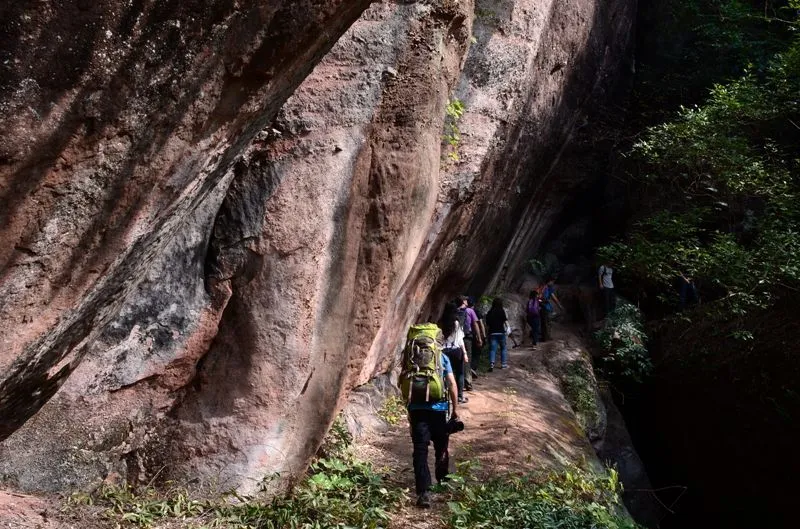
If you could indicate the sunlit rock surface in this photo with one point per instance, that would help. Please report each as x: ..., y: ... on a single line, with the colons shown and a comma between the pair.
x: 192, y: 280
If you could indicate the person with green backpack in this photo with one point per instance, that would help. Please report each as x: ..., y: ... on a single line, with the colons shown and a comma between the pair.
x: 429, y: 388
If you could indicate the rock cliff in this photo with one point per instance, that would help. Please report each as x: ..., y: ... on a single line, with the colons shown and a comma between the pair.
x: 195, y: 269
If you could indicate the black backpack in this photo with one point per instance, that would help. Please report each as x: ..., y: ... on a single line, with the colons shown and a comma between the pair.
x: 462, y: 319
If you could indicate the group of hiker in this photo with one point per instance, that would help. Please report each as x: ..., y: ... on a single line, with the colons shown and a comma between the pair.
x: 465, y: 332
x: 539, y: 309
x: 439, y: 361
x: 438, y: 364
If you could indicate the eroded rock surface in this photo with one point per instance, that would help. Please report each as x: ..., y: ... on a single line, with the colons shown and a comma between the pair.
x: 120, y: 121
x: 197, y: 280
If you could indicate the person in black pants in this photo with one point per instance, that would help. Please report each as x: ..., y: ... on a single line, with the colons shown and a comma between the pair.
x: 429, y: 423
x: 548, y: 299
x: 455, y: 347
x: 605, y: 279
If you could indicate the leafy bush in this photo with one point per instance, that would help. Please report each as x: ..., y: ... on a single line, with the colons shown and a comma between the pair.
x: 689, y: 45
x: 570, y: 499
x: 147, y: 506
x: 622, y: 340
x: 337, y: 442
x: 578, y: 388
x: 337, y: 493
x: 726, y: 185
x: 393, y: 410
x: 544, y: 267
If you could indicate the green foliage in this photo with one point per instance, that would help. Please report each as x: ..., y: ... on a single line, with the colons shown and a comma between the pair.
x: 689, y: 45
x: 148, y: 506
x: 726, y: 179
x: 337, y: 493
x: 570, y: 499
x: 393, y: 410
x: 337, y: 442
x: 622, y: 340
x: 578, y: 388
x: 452, y: 134
x: 486, y: 300
x: 544, y: 267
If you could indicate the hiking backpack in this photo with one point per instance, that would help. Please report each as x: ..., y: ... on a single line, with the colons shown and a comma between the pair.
x: 421, y: 375
x: 462, y: 320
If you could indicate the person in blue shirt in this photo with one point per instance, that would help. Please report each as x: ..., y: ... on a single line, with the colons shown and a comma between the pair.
x: 548, y: 299
x: 429, y: 423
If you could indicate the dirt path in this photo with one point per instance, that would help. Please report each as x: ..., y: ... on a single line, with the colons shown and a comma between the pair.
x: 516, y: 420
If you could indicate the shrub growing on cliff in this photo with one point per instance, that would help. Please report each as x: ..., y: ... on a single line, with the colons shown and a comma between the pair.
x: 579, y: 389
x: 622, y: 340
x: 452, y: 134
x: 393, y: 410
x: 337, y: 441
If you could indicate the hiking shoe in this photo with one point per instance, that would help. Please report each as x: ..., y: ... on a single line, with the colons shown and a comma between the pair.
x: 424, y: 500
x: 491, y: 368
x: 468, y: 387
x: 504, y: 366
x: 463, y: 400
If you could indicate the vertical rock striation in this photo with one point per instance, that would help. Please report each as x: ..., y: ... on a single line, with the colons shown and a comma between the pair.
x: 350, y: 170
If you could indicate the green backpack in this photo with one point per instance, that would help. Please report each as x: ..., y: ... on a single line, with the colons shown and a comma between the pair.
x: 421, y: 375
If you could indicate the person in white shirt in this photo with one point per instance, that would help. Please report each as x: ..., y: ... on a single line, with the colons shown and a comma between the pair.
x: 454, y: 346
x: 605, y: 281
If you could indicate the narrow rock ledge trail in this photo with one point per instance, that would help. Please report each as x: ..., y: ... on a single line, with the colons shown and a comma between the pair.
x: 516, y: 420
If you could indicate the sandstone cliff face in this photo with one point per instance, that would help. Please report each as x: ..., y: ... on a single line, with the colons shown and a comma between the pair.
x: 120, y: 122
x: 177, y: 300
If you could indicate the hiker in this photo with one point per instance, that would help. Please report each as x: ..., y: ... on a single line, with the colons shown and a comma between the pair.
x: 454, y: 347
x: 604, y: 279
x: 533, y: 317
x: 687, y: 292
x: 496, y: 326
x: 548, y: 298
x: 478, y: 340
x: 481, y: 324
x: 472, y: 337
x: 428, y: 384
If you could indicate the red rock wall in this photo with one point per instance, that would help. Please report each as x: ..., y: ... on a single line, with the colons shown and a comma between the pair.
x: 240, y: 288
x: 120, y: 121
